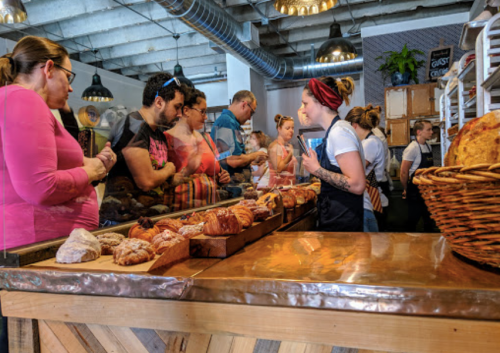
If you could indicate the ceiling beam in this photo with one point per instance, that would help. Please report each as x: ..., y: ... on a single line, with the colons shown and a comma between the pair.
x: 144, y: 47
x: 102, y: 21
x: 188, y: 71
x: 212, y: 60
x: 361, y: 12
x: 321, y: 30
x: 127, y: 35
x: 192, y: 53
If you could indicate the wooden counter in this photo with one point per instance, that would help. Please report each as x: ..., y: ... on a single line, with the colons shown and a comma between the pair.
x: 287, y: 292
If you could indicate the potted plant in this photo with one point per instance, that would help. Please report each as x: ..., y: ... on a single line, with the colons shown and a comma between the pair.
x: 402, y: 67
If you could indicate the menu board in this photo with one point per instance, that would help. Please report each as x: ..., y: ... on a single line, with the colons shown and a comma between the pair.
x: 439, y: 62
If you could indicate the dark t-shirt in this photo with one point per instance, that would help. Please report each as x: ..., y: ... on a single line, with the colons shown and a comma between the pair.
x: 124, y: 200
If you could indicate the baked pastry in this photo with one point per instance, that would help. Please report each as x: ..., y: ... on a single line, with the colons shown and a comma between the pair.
x: 169, y: 223
x: 268, y: 200
x: 289, y: 200
x: 309, y: 194
x: 221, y: 222
x: 165, y: 240
x: 299, y: 195
x: 251, y: 194
x: 244, y: 214
x: 144, y: 229
x: 193, y: 218
x: 81, y: 246
x: 259, y: 212
x: 191, y: 231
x: 109, y: 241
x: 453, y: 130
x: 316, y: 187
x: 477, y: 142
x: 133, y: 252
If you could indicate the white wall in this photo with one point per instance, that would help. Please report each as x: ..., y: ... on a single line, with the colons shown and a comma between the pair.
x: 238, y: 76
x: 126, y: 91
x: 287, y: 101
x: 216, y: 93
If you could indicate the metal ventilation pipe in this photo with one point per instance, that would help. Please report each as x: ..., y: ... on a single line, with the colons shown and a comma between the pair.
x: 215, y: 24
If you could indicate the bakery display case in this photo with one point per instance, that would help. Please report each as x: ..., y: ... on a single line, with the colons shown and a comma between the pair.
x: 377, y: 292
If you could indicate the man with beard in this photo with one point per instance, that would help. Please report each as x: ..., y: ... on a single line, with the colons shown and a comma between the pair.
x: 137, y: 180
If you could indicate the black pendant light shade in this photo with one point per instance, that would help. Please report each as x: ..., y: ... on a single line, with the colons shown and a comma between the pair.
x: 12, y: 11
x: 336, y: 48
x: 97, y: 92
x: 180, y: 76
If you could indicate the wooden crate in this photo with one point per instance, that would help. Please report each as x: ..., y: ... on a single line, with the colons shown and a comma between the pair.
x: 292, y: 214
x: 224, y: 246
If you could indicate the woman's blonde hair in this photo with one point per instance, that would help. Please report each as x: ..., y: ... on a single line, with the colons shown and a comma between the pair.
x: 28, y: 53
x: 366, y: 117
x: 281, y: 119
x: 262, y: 138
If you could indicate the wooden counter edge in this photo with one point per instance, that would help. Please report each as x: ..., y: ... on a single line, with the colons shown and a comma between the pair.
x: 339, y: 328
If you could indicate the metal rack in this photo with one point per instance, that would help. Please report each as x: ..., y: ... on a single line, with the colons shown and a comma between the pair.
x: 488, y: 58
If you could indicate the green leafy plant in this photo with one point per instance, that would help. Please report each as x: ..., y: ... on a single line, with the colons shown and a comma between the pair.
x: 404, y: 61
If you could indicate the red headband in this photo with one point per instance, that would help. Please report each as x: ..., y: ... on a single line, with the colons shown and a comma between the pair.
x: 325, y: 95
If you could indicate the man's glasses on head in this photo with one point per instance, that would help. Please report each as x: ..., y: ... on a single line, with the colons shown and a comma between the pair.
x: 173, y: 79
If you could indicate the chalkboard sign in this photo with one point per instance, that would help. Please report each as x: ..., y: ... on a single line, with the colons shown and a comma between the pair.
x: 439, y: 62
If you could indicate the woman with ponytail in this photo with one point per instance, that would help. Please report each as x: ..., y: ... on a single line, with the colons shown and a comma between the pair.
x: 282, y: 163
x: 48, y: 181
x: 339, y: 160
x: 363, y: 120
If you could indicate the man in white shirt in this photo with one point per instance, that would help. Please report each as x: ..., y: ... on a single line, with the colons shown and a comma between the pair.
x: 417, y: 155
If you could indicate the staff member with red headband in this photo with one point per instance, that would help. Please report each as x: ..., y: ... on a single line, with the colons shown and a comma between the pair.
x: 339, y: 161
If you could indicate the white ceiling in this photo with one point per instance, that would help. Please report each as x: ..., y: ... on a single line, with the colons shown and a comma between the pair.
x: 135, y: 37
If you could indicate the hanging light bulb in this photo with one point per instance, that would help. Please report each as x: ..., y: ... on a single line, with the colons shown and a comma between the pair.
x: 303, y: 7
x: 336, y: 48
x: 12, y: 11
x: 178, y: 68
x: 96, y: 92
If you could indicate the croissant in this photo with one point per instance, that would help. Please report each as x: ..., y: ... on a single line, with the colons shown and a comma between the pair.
x: 310, y: 194
x: 165, y: 240
x: 268, y: 200
x: 289, y: 200
x: 168, y: 223
x: 299, y: 195
x: 144, y: 229
x: 191, y: 231
x: 132, y: 252
x: 221, y: 222
x: 109, y: 241
x: 244, y: 214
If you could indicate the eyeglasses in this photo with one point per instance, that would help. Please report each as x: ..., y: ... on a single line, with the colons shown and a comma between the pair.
x: 173, y: 79
x: 202, y: 111
x: 253, y: 111
x: 72, y: 75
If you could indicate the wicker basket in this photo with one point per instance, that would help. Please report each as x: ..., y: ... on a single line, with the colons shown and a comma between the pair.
x: 465, y: 203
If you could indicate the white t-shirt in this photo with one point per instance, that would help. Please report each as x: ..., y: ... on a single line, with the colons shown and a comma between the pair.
x: 374, y: 153
x: 377, y: 132
x: 342, y: 139
x: 412, y: 154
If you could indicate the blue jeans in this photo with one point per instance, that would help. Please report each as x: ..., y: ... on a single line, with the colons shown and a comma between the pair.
x: 369, y: 221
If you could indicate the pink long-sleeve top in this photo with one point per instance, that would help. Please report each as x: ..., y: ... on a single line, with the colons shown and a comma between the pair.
x: 45, y: 192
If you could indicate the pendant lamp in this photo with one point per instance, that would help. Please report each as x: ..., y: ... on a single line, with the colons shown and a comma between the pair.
x: 336, y: 48
x: 178, y: 68
x: 96, y: 92
x: 303, y: 7
x: 12, y: 11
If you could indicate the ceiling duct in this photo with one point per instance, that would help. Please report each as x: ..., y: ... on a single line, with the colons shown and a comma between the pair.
x: 219, y: 27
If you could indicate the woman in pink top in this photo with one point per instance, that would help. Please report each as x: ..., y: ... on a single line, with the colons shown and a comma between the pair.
x: 47, y: 179
x: 282, y: 163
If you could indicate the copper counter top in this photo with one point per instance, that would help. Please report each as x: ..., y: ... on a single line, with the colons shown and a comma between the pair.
x: 412, y: 274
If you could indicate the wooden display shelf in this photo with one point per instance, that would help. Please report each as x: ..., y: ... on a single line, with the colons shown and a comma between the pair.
x: 224, y: 246
x: 292, y: 214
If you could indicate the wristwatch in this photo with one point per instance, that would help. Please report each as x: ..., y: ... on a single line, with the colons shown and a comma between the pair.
x: 97, y: 182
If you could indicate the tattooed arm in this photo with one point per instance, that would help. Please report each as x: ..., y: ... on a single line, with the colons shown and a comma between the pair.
x: 353, y: 178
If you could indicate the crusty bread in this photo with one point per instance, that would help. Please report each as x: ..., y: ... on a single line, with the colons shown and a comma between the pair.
x: 133, y: 252
x: 477, y: 142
